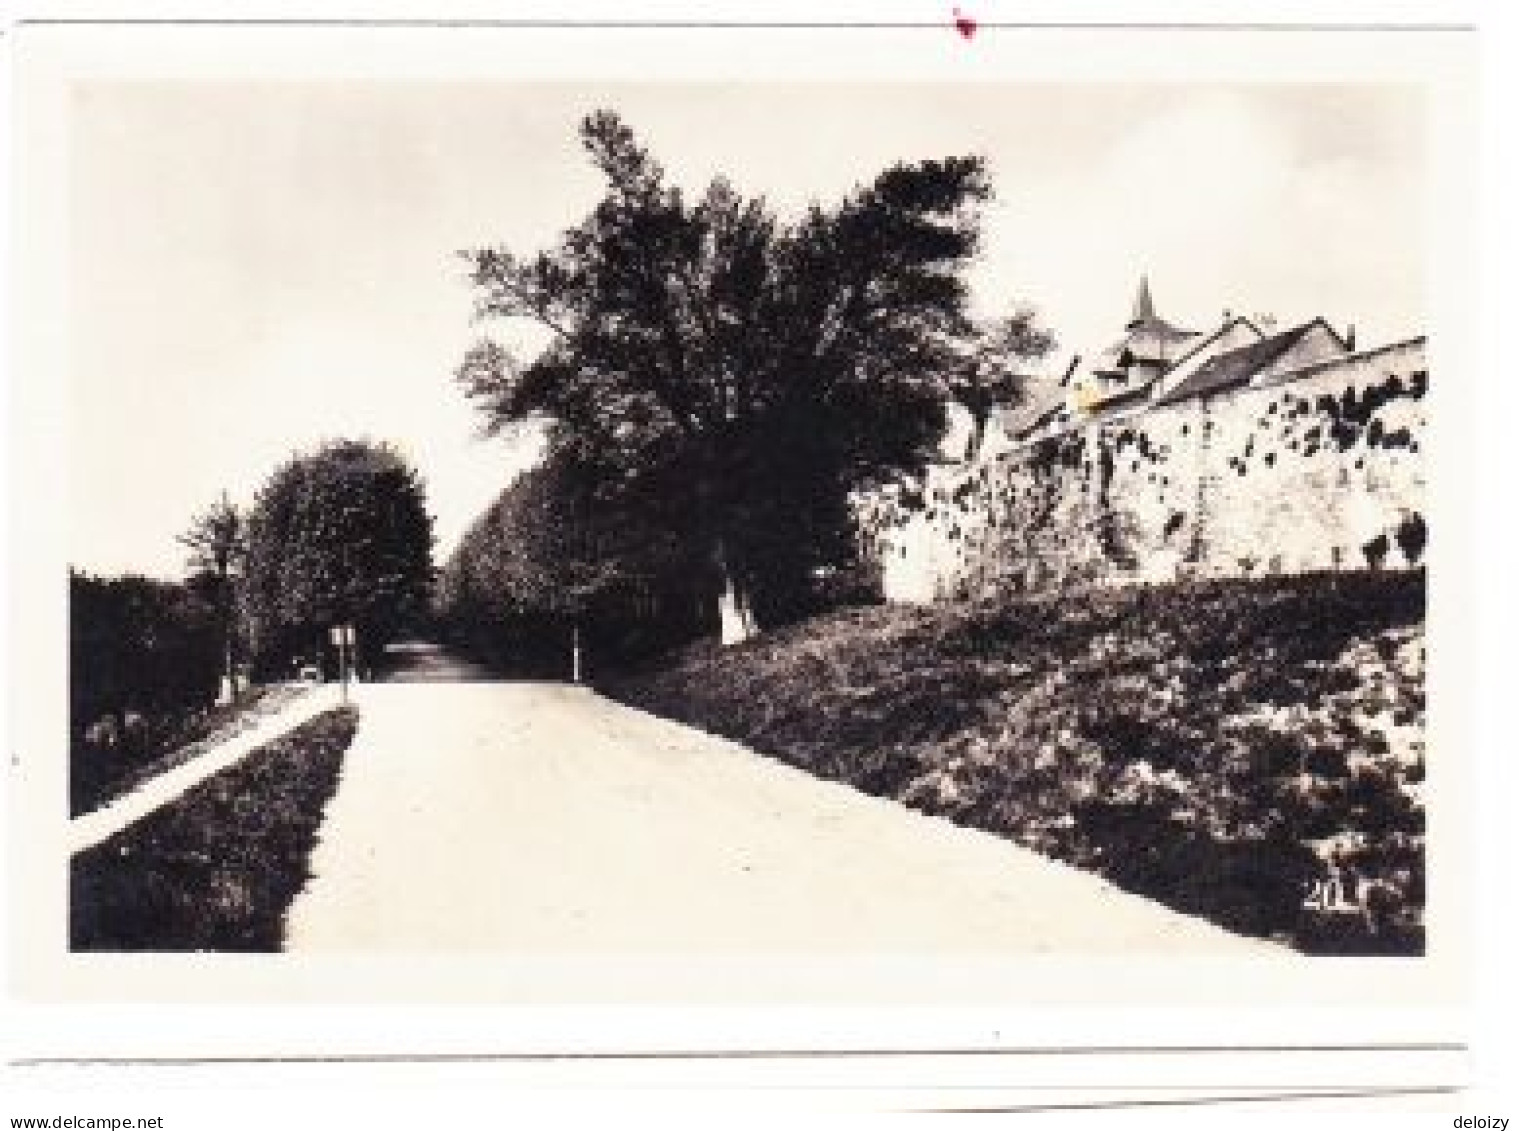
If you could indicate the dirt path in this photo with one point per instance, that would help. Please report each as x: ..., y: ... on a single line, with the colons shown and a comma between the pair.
x: 539, y: 818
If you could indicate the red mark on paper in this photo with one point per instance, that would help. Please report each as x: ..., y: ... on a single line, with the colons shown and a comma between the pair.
x: 964, y: 24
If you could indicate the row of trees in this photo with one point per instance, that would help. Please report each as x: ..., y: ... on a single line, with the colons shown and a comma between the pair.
x: 549, y: 566
x: 722, y: 379
x: 340, y: 535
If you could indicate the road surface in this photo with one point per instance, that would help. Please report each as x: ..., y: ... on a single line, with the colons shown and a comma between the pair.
x: 416, y: 661
x: 543, y: 819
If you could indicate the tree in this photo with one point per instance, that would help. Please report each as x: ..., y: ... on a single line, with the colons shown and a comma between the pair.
x: 730, y: 376
x: 993, y: 370
x: 216, y: 543
x: 338, y: 536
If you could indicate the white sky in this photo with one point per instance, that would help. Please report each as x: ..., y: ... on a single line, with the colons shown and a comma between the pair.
x: 257, y: 268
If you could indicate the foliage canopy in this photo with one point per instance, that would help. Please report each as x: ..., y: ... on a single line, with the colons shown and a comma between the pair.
x: 340, y: 535
x: 140, y: 645
x: 546, y: 556
x: 731, y: 376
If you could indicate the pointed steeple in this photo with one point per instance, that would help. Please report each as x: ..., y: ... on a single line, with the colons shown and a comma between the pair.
x: 1144, y: 305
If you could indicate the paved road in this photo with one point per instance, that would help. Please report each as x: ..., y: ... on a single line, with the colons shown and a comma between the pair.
x: 416, y: 661
x: 544, y: 819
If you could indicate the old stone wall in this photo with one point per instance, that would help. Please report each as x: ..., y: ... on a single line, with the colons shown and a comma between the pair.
x: 1318, y: 468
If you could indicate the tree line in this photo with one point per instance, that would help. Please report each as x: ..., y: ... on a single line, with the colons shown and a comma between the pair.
x: 548, y: 566
x: 718, y: 383
x: 338, y: 535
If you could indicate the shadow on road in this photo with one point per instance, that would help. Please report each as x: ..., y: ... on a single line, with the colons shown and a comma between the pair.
x: 421, y: 661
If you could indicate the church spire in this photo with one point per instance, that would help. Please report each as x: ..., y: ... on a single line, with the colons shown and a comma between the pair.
x: 1144, y: 305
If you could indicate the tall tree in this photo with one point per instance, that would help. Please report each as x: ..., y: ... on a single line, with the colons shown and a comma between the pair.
x: 338, y: 536
x: 217, y: 546
x: 993, y: 370
x: 731, y: 376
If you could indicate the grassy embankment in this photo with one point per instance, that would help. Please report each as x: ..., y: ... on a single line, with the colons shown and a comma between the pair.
x: 100, y: 774
x: 216, y: 869
x: 1217, y: 746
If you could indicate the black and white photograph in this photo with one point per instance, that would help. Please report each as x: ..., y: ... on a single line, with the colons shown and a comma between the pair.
x: 1066, y: 487
x: 625, y: 514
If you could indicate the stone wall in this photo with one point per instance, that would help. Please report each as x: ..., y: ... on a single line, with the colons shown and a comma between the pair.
x: 1318, y: 468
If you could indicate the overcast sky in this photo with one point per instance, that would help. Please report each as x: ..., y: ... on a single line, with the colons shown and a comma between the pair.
x: 257, y: 268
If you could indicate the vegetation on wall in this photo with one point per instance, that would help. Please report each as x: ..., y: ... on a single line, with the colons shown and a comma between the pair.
x: 1412, y: 536
x: 1169, y: 492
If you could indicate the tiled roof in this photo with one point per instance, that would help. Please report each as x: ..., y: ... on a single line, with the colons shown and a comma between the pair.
x: 1237, y: 366
x: 1203, y: 341
x: 1147, y: 337
x: 1116, y: 404
x: 1035, y: 412
x: 1035, y: 422
x: 1127, y: 396
x: 1151, y: 340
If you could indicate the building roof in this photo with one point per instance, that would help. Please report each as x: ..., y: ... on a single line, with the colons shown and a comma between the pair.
x: 1035, y: 411
x: 1036, y: 421
x: 1148, y: 337
x: 1144, y: 305
x: 1235, y: 367
x: 1118, y: 403
x: 1203, y: 341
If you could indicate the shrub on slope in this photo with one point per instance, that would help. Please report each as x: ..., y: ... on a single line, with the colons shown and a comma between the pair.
x: 1221, y: 746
